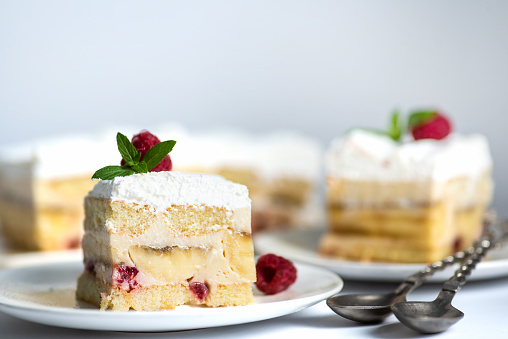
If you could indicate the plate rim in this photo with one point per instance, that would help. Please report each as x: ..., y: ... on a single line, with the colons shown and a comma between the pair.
x: 359, y: 270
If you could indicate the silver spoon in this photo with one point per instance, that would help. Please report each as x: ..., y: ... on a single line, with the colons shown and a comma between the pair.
x: 374, y: 308
x: 438, y: 315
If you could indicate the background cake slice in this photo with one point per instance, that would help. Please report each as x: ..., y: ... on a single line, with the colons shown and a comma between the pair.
x: 405, y: 200
x: 42, y: 184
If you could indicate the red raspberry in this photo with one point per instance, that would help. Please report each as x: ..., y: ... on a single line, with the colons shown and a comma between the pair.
x: 123, y: 276
x: 199, y: 289
x: 143, y: 142
x: 437, y: 127
x: 274, y: 274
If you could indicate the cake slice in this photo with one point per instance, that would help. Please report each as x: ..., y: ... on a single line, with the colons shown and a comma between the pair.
x: 405, y: 200
x: 161, y: 239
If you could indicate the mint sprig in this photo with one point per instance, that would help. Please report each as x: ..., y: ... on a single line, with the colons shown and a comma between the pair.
x: 395, y: 130
x: 132, y: 157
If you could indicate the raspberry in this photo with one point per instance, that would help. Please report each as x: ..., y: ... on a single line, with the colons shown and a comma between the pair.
x: 199, y: 289
x: 143, y: 142
x: 437, y: 127
x: 123, y: 276
x: 274, y: 274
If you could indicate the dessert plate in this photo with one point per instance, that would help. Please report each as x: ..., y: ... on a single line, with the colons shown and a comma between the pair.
x: 45, y: 295
x: 21, y: 259
x: 10, y: 258
x: 301, y: 246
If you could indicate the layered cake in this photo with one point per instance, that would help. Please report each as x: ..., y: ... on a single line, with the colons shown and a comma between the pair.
x: 412, y: 200
x: 281, y: 169
x: 161, y: 239
x: 42, y: 184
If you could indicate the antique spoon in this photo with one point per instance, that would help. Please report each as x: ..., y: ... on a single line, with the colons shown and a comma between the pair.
x: 438, y: 315
x: 373, y: 308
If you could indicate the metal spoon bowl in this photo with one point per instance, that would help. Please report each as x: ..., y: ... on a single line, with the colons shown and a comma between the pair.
x: 428, y: 317
x: 367, y: 308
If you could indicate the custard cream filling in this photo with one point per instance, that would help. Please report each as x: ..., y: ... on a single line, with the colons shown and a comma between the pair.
x: 204, y: 258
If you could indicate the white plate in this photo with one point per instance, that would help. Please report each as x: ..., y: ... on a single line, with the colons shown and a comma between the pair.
x: 10, y: 258
x: 301, y: 246
x: 45, y: 294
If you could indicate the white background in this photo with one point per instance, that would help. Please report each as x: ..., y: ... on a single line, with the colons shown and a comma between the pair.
x: 318, y: 66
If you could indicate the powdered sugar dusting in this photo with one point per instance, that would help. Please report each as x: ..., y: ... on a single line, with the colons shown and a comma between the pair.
x: 160, y: 190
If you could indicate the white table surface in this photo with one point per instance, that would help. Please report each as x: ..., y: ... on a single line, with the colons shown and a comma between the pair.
x: 485, y: 304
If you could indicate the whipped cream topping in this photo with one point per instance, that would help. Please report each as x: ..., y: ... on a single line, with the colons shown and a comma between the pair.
x: 160, y: 190
x: 363, y: 155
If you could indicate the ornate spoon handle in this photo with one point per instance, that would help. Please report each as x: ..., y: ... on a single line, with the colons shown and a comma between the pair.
x: 429, y: 270
x: 459, y: 278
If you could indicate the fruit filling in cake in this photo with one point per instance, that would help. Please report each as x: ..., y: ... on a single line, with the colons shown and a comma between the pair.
x: 156, y: 240
x: 392, y: 198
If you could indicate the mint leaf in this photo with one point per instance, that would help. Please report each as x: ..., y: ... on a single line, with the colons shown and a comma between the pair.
x: 137, y: 157
x: 110, y: 172
x: 419, y: 118
x: 140, y: 168
x: 127, y: 149
x: 155, y: 154
x: 395, y: 130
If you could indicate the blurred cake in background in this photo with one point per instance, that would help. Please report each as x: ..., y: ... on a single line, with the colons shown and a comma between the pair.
x: 42, y: 184
x: 282, y: 170
x: 395, y: 198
